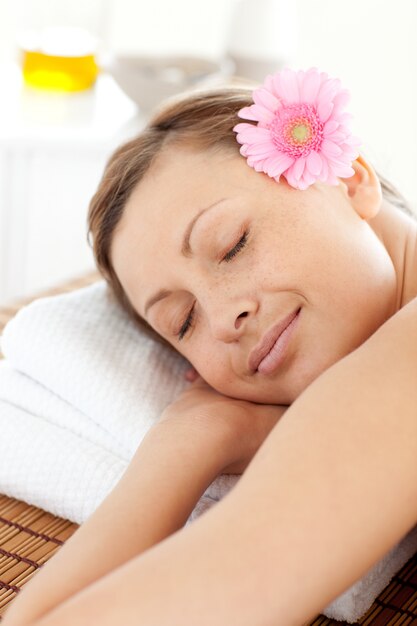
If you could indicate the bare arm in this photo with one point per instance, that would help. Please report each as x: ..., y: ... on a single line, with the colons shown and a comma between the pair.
x: 153, y: 499
x: 177, y: 460
x: 331, y: 490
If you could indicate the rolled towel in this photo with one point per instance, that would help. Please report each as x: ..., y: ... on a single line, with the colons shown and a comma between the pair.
x: 22, y: 391
x: 85, y: 348
x: 80, y: 387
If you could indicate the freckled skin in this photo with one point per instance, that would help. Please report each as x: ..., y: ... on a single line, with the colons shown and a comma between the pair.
x: 317, y: 249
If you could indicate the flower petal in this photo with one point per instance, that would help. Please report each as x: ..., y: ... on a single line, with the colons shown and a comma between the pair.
x: 329, y: 89
x: 307, y: 179
x: 343, y: 172
x: 297, y: 168
x: 310, y: 87
x: 289, y: 86
x: 261, y: 147
x: 330, y: 127
x: 324, y: 110
x: 290, y: 178
x: 341, y: 168
x: 275, y: 165
x: 330, y: 149
x: 243, y: 126
x: 256, y: 113
x: 353, y: 141
x: 247, y: 113
x: 265, y: 116
x: 344, y: 117
x: 340, y: 161
x: 252, y: 134
x: 269, y: 84
x: 266, y: 99
x: 314, y: 163
x: 340, y: 100
x: 302, y: 184
x: 324, y: 171
x: 256, y: 163
x: 336, y: 137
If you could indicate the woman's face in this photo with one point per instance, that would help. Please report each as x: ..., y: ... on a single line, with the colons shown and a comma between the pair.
x: 257, y: 252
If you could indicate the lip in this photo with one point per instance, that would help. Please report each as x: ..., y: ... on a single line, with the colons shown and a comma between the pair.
x: 268, y: 341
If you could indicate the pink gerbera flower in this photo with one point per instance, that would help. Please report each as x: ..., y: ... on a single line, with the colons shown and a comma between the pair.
x: 301, y: 131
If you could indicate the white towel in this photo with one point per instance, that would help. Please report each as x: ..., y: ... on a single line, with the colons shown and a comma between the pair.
x: 79, y: 388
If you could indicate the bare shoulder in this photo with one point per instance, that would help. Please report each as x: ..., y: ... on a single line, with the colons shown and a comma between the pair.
x: 397, y: 336
x: 398, y: 233
x: 410, y: 263
x: 405, y: 319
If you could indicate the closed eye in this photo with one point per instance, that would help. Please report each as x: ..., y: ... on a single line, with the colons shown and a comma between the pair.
x: 237, y: 248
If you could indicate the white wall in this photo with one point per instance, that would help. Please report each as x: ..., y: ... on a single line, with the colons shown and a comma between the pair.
x: 163, y: 26
x: 370, y: 45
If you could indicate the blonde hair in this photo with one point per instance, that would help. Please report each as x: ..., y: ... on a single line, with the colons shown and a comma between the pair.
x: 201, y: 118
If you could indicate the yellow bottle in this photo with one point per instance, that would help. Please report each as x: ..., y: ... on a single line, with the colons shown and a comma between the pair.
x: 59, y: 59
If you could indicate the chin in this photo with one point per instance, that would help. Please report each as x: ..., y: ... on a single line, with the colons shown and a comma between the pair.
x: 256, y: 394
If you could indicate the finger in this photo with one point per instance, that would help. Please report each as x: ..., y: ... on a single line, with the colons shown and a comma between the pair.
x: 199, y: 382
x: 191, y: 374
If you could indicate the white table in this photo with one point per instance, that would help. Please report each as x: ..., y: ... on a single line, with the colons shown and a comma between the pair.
x: 53, y: 148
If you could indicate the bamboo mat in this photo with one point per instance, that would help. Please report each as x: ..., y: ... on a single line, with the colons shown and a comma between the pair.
x: 30, y: 536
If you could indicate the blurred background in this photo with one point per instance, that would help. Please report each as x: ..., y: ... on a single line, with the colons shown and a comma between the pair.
x: 78, y: 78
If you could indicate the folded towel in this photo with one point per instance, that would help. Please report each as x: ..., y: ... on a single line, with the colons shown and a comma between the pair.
x: 79, y: 388
x: 49, y: 466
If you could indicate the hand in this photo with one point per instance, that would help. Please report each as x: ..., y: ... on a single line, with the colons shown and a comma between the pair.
x: 242, y: 425
x: 191, y: 374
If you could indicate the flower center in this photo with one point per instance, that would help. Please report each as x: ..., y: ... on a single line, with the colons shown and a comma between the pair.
x: 296, y: 129
x: 300, y: 132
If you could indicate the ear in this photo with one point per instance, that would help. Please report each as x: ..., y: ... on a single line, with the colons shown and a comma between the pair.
x: 363, y: 189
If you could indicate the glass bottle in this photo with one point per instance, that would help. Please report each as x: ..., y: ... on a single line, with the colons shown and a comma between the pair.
x: 58, y: 42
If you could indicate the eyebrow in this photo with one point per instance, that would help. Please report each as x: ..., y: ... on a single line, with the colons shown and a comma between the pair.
x: 185, y: 251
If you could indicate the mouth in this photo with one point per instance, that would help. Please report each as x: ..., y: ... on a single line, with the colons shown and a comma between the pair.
x: 269, y: 353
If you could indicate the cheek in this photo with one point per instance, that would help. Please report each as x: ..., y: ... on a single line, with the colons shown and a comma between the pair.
x: 212, y: 364
x: 275, y: 263
x: 297, y: 253
x: 283, y: 247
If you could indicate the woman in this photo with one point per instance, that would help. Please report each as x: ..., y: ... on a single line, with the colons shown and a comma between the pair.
x: 297, y: 308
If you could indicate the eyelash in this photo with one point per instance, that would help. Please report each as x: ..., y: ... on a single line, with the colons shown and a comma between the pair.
x: 227, y: 257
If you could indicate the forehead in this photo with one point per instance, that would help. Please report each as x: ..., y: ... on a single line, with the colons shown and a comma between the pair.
x: 181, y: 179
x: 180, y: 183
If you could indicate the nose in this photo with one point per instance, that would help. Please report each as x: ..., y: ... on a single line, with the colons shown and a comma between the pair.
x: 238, y: 321
x: 229, y: 320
